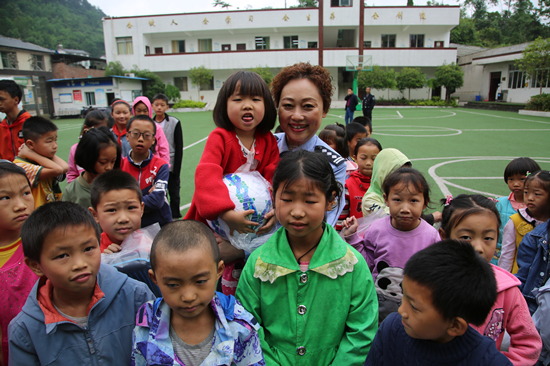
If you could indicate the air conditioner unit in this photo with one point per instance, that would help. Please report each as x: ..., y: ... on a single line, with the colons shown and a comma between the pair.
x: 130, y: 75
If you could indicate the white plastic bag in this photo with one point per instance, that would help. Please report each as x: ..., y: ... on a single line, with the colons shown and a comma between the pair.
x: 137, y: 245
x: 366, y: 221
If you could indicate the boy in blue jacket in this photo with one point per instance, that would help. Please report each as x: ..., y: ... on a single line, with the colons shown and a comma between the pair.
x: 79, y: 312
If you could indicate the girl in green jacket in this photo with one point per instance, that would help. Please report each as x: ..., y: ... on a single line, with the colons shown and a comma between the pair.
x: 311, y: 292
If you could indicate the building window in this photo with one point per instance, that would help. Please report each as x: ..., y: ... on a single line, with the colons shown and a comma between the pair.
x: 158, y: 51
x: 124, y: 46
x: 90, y: 98
x: 346, y: 38
x: 226, y: 47
x: 516, y: 78
x: 312, y: 45
x: 535, y: 83
x: 262, y: 43
x: 417, y: 40
x: 205, y: 45
x: 241, y: 46
x: 439, y: 44
x: 37, y: 62
x: 178, y: 46
x: 181, y: 83
x: 147, y: 50
x: 367, y: 44
x: 338, y: 3
x: 290, y: 42
x: 9, y: 60
x: 208, y: 85
x: 388, y: 40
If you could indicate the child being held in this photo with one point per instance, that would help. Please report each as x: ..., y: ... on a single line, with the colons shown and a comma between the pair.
x: 94, y: 118
x: 311, y: 292
x: 191, y: 324
x: 475, y: 219
x: 97, y: 152
x: 16, y: 279
x: 358, y: 182
x: 79, y: 312
x: 514, y: 175
x: 389, y: 242
x: 43, y: 168
x: 117, y: 206
x: 446, y: 286
x: 151, y: 171
x: 537, y: 198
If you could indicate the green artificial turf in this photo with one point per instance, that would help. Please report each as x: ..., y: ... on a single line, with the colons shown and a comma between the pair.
x: 474, y: 144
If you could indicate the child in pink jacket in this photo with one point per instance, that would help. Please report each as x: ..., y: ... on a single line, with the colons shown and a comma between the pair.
x: 475, y: 218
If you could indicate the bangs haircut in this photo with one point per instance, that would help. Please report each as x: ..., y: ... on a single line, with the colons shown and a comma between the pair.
x: 35, y: 127
x: 50, y: 217
x: 406, y: 177
x: 363, y: 121
x: 8, y: 168
x: 543, y: 176
x: 94, y: 118
x: 367, y: 141
x: 309, y: 165
x: 87, y: 150
x: 161, y: 97
x: 249, y: 84
x: 318, y: 75
x: 353, y: 129
x: 336, y: 133
x: 142, y: 117
x: 12, y: 88
x: 180, y: 236
x: 465, y: 205
x: 113, y: 180
x: 520, y: 166
x: 462, y: 283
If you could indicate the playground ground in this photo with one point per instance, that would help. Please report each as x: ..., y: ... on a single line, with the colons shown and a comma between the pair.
x: 458, y: 150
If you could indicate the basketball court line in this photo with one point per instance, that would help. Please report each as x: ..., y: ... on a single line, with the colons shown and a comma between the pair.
x: 517, y: 119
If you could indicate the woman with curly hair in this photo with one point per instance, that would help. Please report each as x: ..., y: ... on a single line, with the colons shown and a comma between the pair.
x: 302, y: 94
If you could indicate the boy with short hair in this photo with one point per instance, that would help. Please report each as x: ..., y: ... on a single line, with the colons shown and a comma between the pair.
x: 10, y: 128
x: 365, y: 122
x: 446, y: 286
x: 79, y: 311
x: 172, y: 129
x: 37, y: 156
x: 192, y: 324
x: 117, y: 206
x: 354, y: 133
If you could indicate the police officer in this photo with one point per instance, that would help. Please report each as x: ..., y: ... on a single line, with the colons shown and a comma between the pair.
x: 368, y: 104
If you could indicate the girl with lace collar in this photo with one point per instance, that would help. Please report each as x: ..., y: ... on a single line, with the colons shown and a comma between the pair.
x: 306, y: 281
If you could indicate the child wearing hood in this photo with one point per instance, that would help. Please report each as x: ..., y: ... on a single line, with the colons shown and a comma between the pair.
x: 142, y: 105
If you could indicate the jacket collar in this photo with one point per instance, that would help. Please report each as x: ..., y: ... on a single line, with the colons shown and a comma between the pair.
x: 144, y: 163
x: 361, y: 177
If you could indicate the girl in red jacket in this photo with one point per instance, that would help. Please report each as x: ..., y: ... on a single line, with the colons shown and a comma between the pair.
x: 245, y: 114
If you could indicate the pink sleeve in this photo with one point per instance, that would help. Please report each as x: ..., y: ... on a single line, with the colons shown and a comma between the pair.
x: 508, y: 252
x: 73, y: 172
x: 163, y: 149
x: 525, y: 343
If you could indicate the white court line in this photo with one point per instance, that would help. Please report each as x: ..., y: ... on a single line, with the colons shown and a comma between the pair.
x: 185, y: 206
x: 194, y: 143
x: 400, y: 115
x: 517, y: 119
x: 471, y: 178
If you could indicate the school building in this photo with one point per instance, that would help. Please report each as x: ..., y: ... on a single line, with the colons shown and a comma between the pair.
x: 341, y: 35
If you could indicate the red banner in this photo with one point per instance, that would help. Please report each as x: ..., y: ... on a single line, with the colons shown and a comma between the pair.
x: 77, y: 96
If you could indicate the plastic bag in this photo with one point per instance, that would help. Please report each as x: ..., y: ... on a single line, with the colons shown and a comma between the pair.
x: 137, y: 245
x: 248, y: 191
x: 366, y: 221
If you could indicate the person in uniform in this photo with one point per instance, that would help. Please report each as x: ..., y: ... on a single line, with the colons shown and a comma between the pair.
x: 302, y: 93
x: 368, y: 104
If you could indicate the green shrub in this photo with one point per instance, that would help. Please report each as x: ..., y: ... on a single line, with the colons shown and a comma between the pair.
x: 539, y: 103
x: 189, y: 104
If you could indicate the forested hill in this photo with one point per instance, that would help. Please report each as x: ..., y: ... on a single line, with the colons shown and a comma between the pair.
x: 75, y: 24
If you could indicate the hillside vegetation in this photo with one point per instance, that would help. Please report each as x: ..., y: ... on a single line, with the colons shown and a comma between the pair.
x: 75, y: 24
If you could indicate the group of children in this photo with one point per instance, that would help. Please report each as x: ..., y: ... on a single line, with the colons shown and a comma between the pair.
x: 396, y: 294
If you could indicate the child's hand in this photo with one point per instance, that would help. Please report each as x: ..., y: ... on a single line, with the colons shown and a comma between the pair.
x: 350, y: 226
x: 236, y: 220
x: 228, y: 253
x: 271, y: 221
x: 113, y: 248
x: 23, y: 151
x: 438, y: 216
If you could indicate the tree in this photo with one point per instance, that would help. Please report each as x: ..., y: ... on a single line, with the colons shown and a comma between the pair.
x: 306, y: 4
x: 115, y: 68
x: 410, y: 78
x: 264, y: 72
x: 172, y: 92
x: 536, y: 60
x: 450, y: 76
x: 378, y: 78
x: 200, y: 75
x: 154, y: 84
x: 221, y: 4
x: 410, y: 3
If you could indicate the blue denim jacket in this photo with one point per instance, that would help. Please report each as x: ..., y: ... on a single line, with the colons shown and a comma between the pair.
x: 533, y: 263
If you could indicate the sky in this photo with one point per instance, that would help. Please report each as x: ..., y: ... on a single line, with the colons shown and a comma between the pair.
x: 148, y: 7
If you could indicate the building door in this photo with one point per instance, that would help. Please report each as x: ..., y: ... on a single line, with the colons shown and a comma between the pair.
x: 436, y: 92
x: 495, y: 80
x: 110, y: 98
